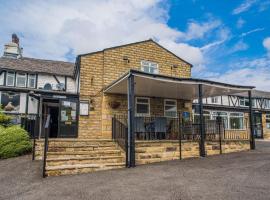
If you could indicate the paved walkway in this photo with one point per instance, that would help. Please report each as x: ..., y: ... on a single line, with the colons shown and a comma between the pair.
x: 244, y: 175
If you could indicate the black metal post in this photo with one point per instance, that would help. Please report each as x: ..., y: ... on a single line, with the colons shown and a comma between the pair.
x: 219, y: 121
x: 252, y: 140
x: 34, y: 148
x: 202, y: 125
x: 131, y: 111
x: 45, y: 145
x: 180, y: 137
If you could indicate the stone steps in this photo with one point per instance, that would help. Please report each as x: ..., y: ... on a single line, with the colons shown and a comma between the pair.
x: 81, y: 168
x: 84, y: 153
x: 73, y: 156
x: 84, y: 160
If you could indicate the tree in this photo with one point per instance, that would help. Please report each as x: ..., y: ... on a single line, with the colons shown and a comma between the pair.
x: 5, y: 120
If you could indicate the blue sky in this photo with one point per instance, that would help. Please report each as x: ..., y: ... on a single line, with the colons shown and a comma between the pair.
x: 228, y: 41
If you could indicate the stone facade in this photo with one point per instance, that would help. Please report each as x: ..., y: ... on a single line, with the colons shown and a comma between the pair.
x: 98, y: 70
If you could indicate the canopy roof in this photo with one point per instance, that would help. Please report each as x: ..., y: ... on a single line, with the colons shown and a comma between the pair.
x: 155, y: 85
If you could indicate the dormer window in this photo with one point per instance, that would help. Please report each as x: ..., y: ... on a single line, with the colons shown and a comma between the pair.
x: 21, y: 80
x: 10, y: 80
x: 149, y: 67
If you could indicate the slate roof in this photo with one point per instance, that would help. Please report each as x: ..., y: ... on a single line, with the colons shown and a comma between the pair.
x: 256, y: 93
x: 38, y: 66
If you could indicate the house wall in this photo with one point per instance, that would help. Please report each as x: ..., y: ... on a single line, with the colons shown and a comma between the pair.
x: 266, y: 131
x: 102, y: 68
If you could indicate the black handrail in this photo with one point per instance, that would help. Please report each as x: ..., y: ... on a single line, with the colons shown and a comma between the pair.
x: 47, y: 124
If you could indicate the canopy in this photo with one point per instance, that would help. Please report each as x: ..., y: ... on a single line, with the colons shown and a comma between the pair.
x: 155, y: 85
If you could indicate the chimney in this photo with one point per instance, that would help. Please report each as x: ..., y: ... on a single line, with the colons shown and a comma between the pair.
x: 13, y: 49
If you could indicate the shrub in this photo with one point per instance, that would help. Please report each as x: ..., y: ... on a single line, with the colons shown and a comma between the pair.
x: 4, y: 119
x: 14, y: 141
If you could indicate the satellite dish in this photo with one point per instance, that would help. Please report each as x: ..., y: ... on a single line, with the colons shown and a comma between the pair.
x: 60, y: 86
x: 47, y: 86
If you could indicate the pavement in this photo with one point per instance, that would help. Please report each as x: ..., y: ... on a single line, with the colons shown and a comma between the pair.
x: 243, y: 175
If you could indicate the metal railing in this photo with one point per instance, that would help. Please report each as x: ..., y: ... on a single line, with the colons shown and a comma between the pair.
x: 47, y: 124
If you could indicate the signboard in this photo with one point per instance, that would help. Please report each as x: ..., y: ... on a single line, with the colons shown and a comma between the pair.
x: 84, y: 108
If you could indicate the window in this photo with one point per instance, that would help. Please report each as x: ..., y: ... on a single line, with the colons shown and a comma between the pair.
x: 236, y: 121
x: 21, y: 80
x: 32, y: 80
x: 214, y: 100
x: 243, y: 101
x: 170, y: 108
x: 206, y: 116
x: 10, y: 80
x: 268, y: 121
x: 142, y: 106
x: 149, y: 67
x: 266, y: 104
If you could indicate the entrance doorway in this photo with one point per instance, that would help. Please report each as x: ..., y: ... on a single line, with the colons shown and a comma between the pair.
x: 258, y: 130
x: 51, y: 107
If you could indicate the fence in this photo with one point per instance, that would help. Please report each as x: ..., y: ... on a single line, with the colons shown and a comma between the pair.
x: 171, y: 135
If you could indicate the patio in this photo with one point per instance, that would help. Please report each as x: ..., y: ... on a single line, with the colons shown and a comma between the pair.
x: 135, y: 83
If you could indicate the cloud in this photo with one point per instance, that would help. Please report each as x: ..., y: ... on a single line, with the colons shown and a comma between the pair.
x: 251, y: 31
x: 53, y: 30
x: 197, y: 30
x: 266, y: 43
x: 240, y: 22
x: 239, y: 46
x: 245, y: 6
x: 253, y: 72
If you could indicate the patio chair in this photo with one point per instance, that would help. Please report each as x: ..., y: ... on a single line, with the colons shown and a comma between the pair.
x: 139, y: 127
x: 160, y: 125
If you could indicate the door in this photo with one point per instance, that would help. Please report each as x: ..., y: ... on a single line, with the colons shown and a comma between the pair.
x: 258, y: 131
x: 68, y: 122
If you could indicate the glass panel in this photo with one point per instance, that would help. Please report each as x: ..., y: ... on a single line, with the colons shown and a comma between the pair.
x: 21, y: 80
x: 32, y: 80
x: 142, y: 100
x: 142, y: 109
x: 10, y: 78
x: 236, y: 123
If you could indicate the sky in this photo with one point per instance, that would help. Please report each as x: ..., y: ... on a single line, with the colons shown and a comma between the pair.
x: 225, y: 40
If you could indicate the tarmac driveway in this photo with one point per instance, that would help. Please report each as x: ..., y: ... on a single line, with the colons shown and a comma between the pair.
x: 244, y: 175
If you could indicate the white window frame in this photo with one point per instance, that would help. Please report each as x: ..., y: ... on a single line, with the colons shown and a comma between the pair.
x: 149, y: 63
x: 7, y: 75
x: 244, y: 99
x: 165, y: 104
x: 19, y: 75
x: 148, y: 103
x: 28, y: 81
x: 243, y: 116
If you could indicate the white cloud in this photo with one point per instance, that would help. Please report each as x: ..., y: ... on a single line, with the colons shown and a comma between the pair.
x: 239, y: 46
x: 251, y: 31
x: 52, y: 29
x: 266, y: 43
x: 240, y: 23
x: 197, y: 30
x: 253, y: 72
x: 245, y: 6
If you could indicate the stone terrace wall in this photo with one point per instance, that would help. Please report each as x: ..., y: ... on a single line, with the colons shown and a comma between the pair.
x: 157, y: 151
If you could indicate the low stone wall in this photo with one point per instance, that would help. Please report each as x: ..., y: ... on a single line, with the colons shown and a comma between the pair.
x: 157, y: 151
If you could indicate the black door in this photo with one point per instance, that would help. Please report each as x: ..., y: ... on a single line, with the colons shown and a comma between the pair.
x: 258, y: 131
x: 68, y: 118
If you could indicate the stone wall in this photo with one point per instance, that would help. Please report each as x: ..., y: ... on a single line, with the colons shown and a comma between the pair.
x: 157, y: 151
x: 99, y: 69
x: 266, y: 131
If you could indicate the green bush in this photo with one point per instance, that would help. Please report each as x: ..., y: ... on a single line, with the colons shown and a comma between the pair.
x: 14, y: 141
x: 4, y: 119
